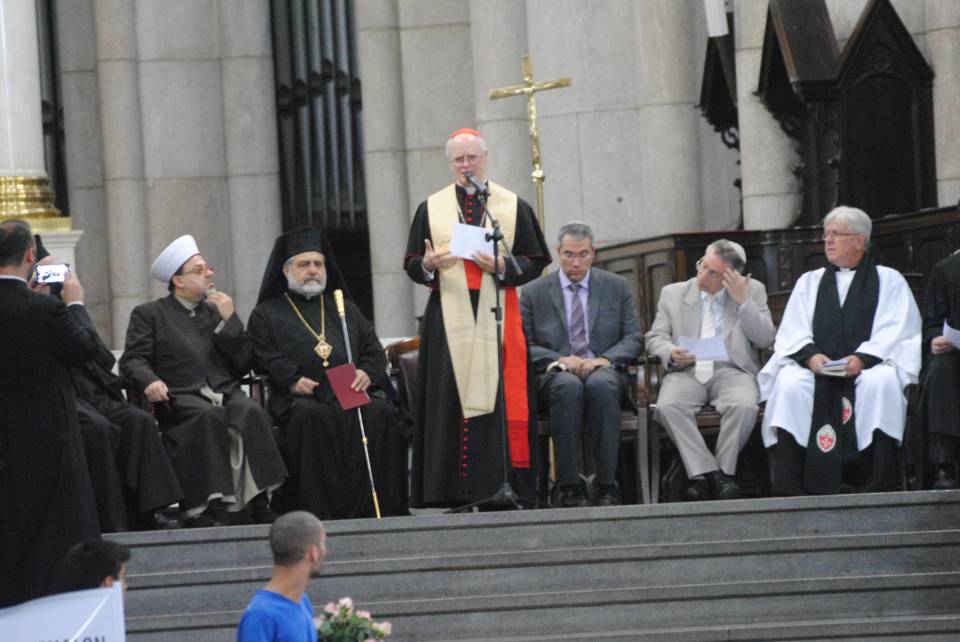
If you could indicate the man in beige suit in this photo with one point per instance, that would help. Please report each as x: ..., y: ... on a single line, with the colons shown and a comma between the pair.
x: 719, y: 301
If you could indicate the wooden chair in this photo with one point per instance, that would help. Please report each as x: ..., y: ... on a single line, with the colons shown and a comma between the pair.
x: 708, y: 422
x: 403, y: 357
x: 633, y: 433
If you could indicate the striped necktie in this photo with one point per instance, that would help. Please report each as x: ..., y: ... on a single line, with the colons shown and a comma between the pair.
x: 578, y: 324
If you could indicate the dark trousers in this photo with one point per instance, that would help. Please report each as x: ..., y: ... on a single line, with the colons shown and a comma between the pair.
x: 577, y: 406
x: 940, y: 407
x: 874, y: 470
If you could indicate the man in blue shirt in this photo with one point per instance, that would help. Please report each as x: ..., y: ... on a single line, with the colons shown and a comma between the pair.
x: 281, y: 611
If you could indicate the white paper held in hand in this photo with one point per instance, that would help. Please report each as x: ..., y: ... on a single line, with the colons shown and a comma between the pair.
x: 835, y: 368
x: 951, y: 335
x: 709, y: 349
x: 468, y: 239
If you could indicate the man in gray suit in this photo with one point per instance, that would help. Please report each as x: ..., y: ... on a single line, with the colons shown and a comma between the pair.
x: 582, y: 330
x: 719, y: 301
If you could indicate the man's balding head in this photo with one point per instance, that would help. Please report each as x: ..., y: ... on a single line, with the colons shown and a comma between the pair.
x: 16, y: 241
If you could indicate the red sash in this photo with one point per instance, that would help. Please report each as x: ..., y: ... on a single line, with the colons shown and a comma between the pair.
x: 514, y: 370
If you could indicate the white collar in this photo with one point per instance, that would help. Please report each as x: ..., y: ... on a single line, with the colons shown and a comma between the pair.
x: 565, y: 281
x: 190, y: 305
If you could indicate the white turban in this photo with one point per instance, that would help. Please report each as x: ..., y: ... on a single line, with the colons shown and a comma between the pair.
x: 173, y: 258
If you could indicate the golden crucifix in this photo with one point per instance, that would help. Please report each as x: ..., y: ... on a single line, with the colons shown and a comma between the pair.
x: 529, y: 88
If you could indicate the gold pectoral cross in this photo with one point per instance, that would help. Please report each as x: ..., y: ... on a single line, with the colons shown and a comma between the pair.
x: 529, y: 88
x: 323, y: 350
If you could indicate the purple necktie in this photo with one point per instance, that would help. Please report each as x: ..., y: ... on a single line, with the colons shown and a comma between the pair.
x: 578, y: 325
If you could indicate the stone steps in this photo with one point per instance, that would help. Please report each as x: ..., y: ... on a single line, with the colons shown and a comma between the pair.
x: 674, y: 571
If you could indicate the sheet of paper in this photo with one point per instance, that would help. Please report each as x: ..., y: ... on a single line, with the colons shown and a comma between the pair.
x: 835, y: 368
x: 836, y: 363
x: 468, y: 239
x: 951, y: 335
x: 711, y: 349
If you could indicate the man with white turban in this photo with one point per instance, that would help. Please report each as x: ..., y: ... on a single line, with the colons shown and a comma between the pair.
x: 187, y: 352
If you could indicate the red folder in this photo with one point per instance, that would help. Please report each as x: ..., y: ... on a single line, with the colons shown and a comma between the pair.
x: 340, y: 379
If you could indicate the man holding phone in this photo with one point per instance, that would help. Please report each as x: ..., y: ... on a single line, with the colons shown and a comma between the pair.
x: 718, y: 302
x: 46, y: 503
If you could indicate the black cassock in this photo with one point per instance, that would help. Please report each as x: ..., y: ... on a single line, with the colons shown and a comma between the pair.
x: 128, y: 466
x: 940, y: 381
x: 320, y: 442
x: 441, y: 447
x: 165, y: 341
x: 45, y: 499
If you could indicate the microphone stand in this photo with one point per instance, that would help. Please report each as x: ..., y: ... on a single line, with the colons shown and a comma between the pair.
x: 505, y: 494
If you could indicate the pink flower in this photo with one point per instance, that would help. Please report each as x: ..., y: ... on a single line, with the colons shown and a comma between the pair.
x: 384, y: 627
x: 330, y: 608
x: 364, y: 614
x: 346, y: 603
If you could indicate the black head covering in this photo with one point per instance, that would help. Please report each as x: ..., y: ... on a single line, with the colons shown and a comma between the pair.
x: 42, y: 252
x: 305, y: 239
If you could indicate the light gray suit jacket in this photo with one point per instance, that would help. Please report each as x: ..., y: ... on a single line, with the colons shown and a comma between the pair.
x: 615, y: 334
x: 745, y: 332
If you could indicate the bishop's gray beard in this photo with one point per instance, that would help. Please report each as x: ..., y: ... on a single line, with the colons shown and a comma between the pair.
x: 309, y: 288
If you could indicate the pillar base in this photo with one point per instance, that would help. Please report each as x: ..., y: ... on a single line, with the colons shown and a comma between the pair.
x: 29, y: 198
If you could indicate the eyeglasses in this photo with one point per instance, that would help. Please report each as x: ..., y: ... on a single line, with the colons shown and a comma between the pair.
x: 832, y: 235
x: 470, y: 159
x: 711, y: 274
x: 199, y: 270
x: 583, y: 255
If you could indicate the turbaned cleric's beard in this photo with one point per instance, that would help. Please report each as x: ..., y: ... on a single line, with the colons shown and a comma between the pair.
x: 310, y: 287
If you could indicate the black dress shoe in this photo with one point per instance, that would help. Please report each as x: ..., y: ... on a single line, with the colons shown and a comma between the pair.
x: 572, y: 497
x: 263, y: 514
x: 156, y: 521
x: 699, y: 490
x: 723, y: 485
x: 203, y: 520
x: 946, y: 478
x: 608, y: 495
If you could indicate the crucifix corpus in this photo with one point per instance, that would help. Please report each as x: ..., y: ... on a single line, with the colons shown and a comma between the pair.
x: 529, y: 88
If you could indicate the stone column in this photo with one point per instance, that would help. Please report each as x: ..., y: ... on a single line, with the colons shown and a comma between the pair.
x: 182, y: 116
x: 83, y: 149
x: 591, y: 140
x: 669, y: 147
x: 436, y: 68
x: 119, y: 106
x: 499, y: 41
x: 768, y: 158
x: 24, y: 186
x: 250, y: 131
x: 388, y: 204
x: 943, y: 41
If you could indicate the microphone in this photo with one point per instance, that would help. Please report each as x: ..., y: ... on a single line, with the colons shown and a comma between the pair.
x: 477, y: 183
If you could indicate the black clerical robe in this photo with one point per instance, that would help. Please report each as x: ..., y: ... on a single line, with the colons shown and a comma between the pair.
x: 183, y: 348
x: 128, y: 465
x: 455, y: 460
x: 46, y: 502
x: 321, y: 443
x: 940, y: 390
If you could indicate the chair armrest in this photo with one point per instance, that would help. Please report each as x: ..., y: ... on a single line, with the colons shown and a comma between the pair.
x: 649, y: 375
x: 257, y: 386
x: 135, y: 396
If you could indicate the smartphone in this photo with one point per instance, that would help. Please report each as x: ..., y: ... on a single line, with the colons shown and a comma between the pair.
x: 53, y: 273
